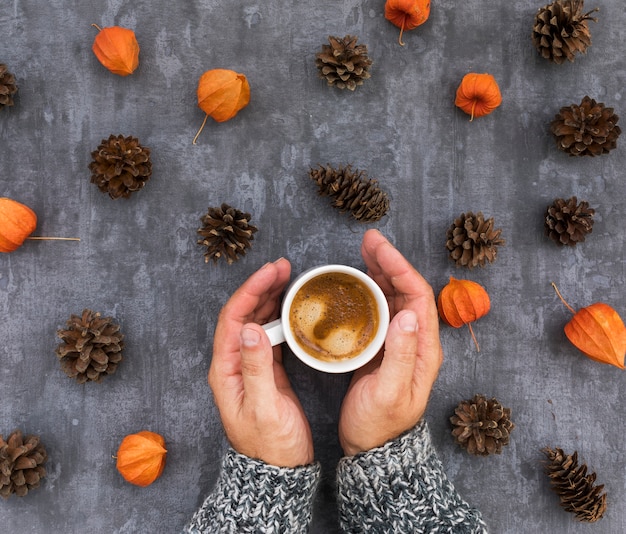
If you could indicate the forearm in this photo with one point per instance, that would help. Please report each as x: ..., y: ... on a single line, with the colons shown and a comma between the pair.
x: 401, y: 487
x: 252, y: 496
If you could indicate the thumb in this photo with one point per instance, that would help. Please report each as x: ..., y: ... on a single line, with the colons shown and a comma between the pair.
x: 398, y: 365
x: 257, y: 363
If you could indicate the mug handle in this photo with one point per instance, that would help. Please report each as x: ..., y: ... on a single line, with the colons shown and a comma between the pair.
x: 274, y: 330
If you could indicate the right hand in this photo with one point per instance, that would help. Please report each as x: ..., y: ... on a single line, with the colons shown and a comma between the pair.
x: 389, y: 395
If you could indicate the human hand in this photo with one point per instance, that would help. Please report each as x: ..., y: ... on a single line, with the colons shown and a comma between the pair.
x: 389, y: 395
x: 261, y: 414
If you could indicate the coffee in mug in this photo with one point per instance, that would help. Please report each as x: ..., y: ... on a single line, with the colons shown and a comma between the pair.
x: 334, y: 316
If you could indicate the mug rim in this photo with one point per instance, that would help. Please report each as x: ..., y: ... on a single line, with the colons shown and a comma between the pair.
x: 347, y: 364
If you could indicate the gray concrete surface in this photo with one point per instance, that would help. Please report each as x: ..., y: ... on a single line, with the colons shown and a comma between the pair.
x: 138, y: 259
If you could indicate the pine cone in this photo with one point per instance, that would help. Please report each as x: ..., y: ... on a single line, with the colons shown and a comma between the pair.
x: 567, y: 222
x: 352, y: 191
x: 21, y: 464
x: 482, y: 426
x: 343, y: 63
x: 92, y: 347
x: 7, y: 86
x: 576, y: 489
x: 472, y: 240
x: 120, y: 166
x: 226, y: 233
x: 588, y: 129
x: 561, y: 30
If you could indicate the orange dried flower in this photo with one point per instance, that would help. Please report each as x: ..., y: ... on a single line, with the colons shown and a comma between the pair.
x: 117, y: 49
x: 598, y: 331
x: 407, y: 14
x: 17, y: 222
x: 141, y: 457
x: 462, y: 302
x: 222, y: 93
x: 478, y: 94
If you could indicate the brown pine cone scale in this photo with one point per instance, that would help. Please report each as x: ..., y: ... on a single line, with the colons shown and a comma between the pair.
x: 91, y: 347
x: 567, y: 222
x: 576, y: 489
x: 588, y: 129
x: 481, y: 425
x: 561, y: 30
x: 21, y: 464
x: 343, y: 63
x: 473, y: 241
x: 120, y: 166
x: 8, y: 88
x: 226, y: 233
x: 352, y: 191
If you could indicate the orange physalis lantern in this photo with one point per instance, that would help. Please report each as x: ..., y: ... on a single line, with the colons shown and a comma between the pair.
x: 117, y: 49
x: 407, y: 14
x: 462, y: 302
x: 222, y: 93
x: 17, y: 222
x: 478, y: 94
x: 141, y: 457
x: 598, y: 331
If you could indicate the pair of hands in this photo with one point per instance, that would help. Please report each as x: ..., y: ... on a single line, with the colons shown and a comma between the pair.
x: 261, y: 414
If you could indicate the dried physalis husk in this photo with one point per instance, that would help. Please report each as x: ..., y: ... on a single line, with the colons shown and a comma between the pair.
x: 598, y: 331
x: 117, y: 49
x: 461, y: 302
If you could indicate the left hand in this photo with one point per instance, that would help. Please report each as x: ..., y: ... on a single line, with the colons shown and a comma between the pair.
x: 261, y: 414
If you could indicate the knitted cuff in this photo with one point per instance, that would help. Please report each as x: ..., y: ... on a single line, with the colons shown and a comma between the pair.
x: 252, y: 496
x: 401, y: 487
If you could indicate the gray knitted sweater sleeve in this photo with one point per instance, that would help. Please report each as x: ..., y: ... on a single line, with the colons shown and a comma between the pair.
x: 252, y: 496
x: 401, y: 487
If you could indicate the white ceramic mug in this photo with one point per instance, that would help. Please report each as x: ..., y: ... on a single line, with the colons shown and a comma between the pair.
x: 280, y: 331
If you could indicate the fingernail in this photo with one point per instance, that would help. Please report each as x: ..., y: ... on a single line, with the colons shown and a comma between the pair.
x: 279, y: 259
x: 408, y: 321
x: 249, y: 337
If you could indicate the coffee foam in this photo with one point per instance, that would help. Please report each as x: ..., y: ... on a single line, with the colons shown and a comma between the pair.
x: 331, y: 319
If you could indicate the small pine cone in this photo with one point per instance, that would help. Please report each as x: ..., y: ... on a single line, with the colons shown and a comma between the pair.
x: 482, y: 426
x: 7, y: 87
x: 561, y: 30
x: 21, y: 464
x: 588, y: 129
x: 567, y: 222
x: 120, y: 166
x: 472, y: 240
x: 226, y: 233
x: 352, y: 191
x: 575, y: 488
x: 91, y: 348
x: 343, y: 63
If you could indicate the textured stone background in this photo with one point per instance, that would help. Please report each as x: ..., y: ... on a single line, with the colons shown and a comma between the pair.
x: 138, y: 259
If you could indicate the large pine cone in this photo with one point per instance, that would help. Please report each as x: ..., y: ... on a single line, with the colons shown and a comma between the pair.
x: 226, y: 233
x: 21, y: 464
x: 567, y: 222
x: 588, y: 129
x: 561, y: 30
x: 472, y: 240
x: 7, y: 87
x: 576, y: 489
x: 481, y: 426
x: 343, y: 63
x: 91, y: 348
x: 351, y: 191
x: 120, y: 166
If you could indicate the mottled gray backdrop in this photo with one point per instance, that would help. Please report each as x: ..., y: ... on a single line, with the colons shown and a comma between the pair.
x: 138, y: 260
